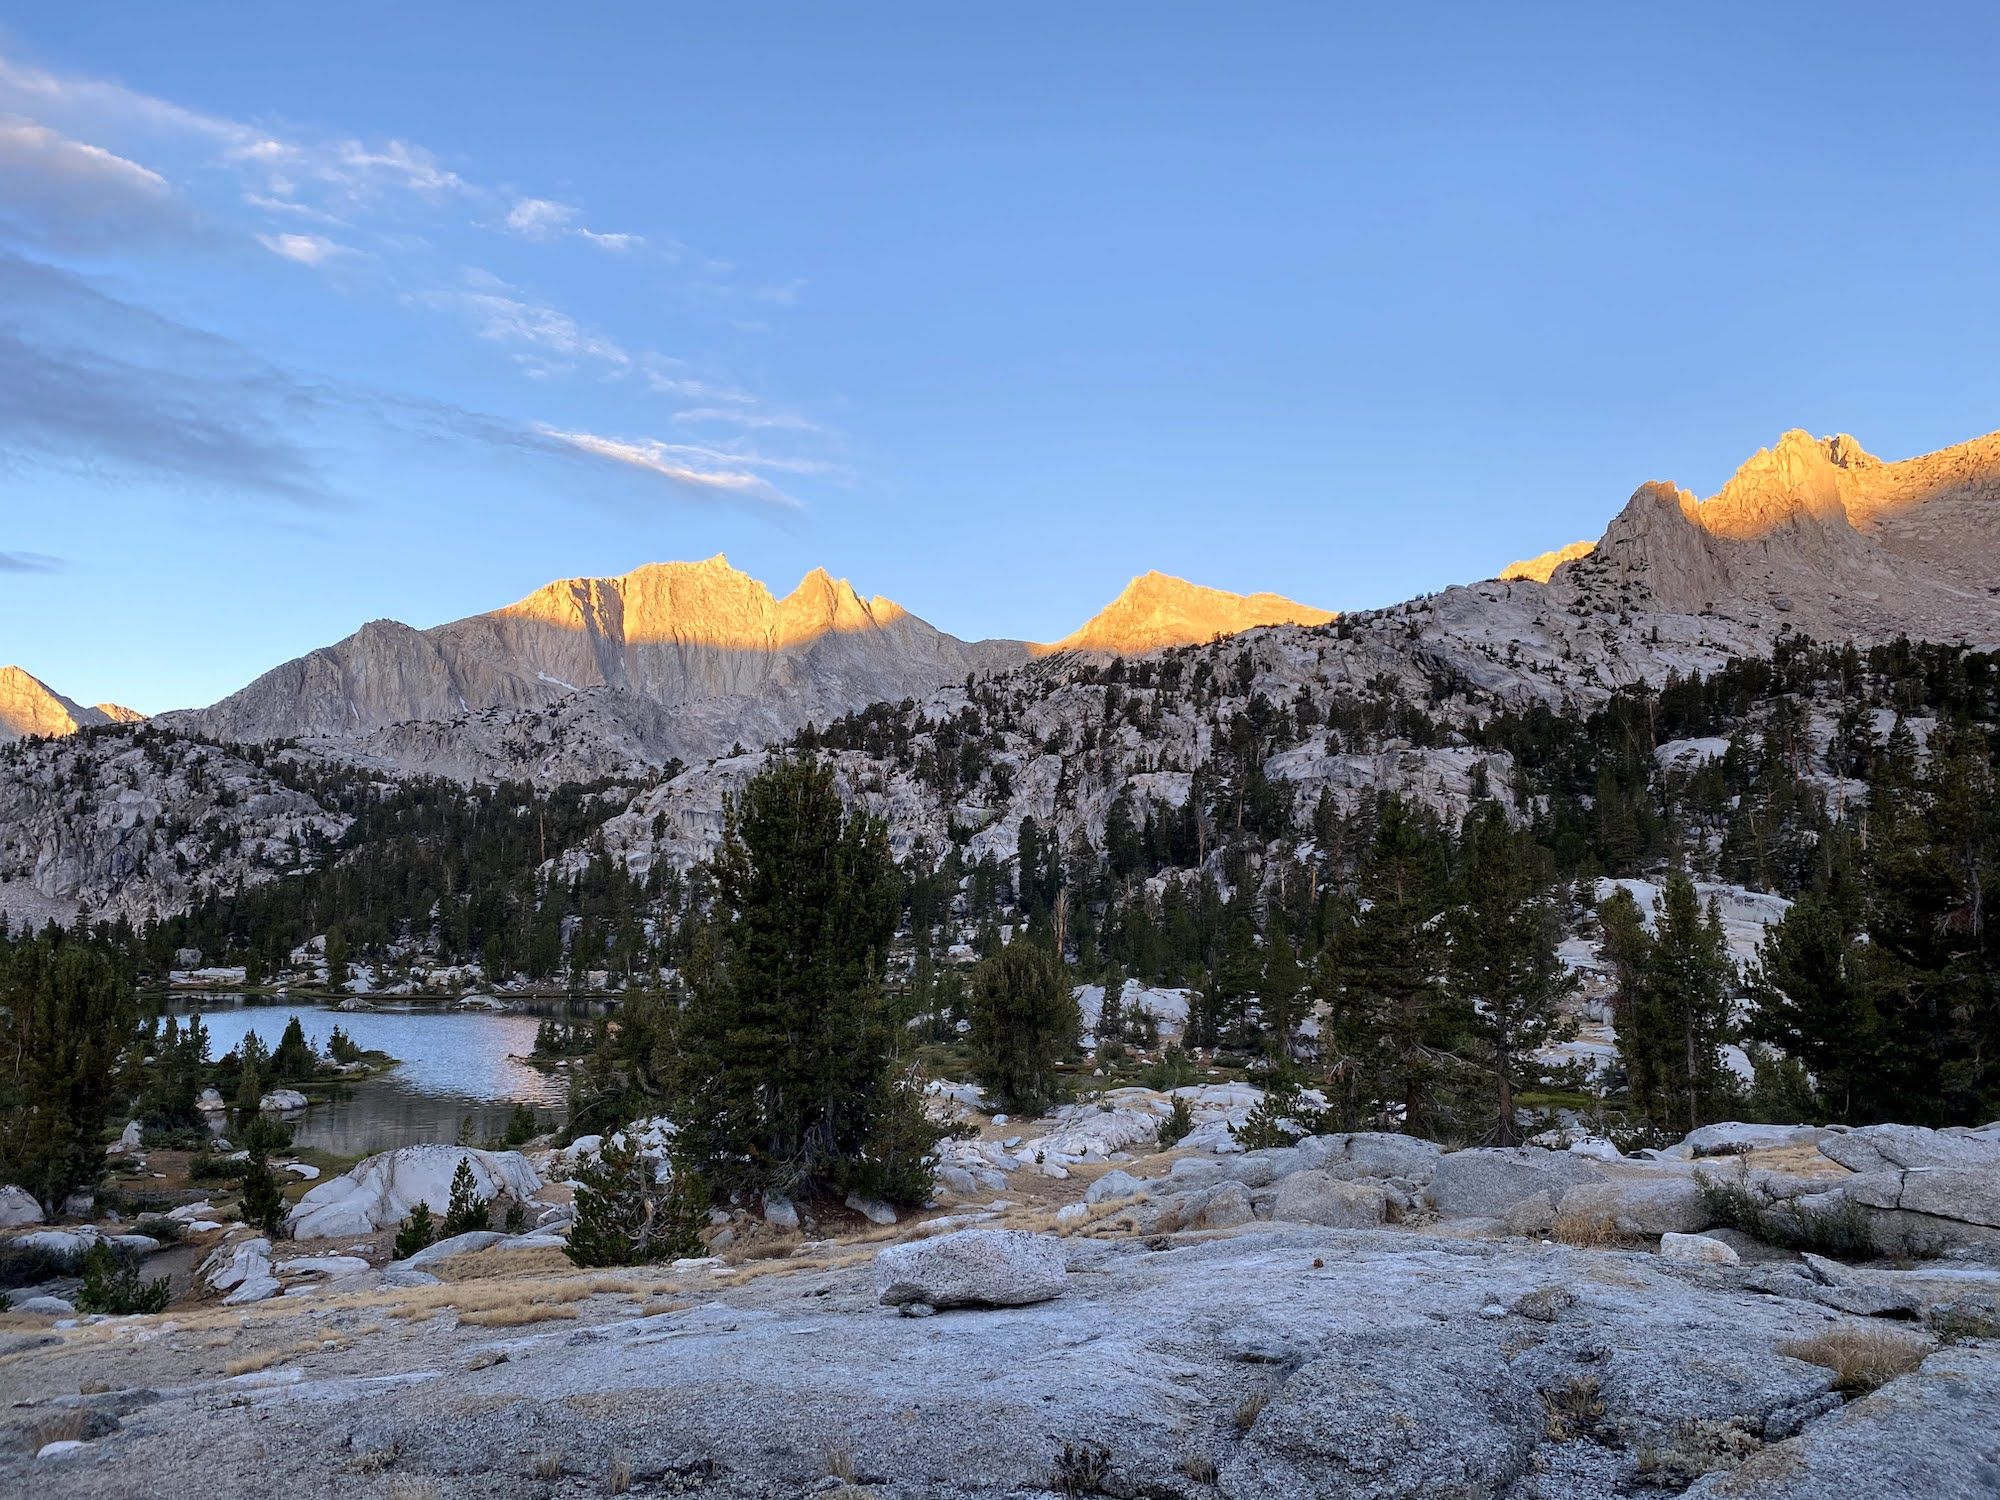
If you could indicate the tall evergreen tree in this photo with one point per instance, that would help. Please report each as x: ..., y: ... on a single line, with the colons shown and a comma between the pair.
x: 1683, y: 1011
x: 1501, y: 957
x: 1386, y: 967
x: 790, y: 1082
x: 69, y: 1013
x: 1024, y: 1022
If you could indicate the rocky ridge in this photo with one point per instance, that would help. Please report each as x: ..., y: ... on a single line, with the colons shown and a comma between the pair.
x: 29, y: 706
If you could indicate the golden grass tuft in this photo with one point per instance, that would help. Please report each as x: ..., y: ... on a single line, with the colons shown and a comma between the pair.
x: 618, y: 1476
x: 1863, y: 1358
x: 59, y: 1427
x: 1586, y: 1231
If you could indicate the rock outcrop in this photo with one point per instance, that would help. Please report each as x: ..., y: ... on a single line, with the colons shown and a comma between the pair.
x: 379, y: 1192
x: 29, y: 706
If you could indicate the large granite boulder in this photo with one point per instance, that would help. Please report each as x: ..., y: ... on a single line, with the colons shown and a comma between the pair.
x: 1487, y: 1183
x: 1319, y: 1198
x: 18, y: 1207
x: 380, y: 1192
x: 973, y: 1268
x: 1637, y: 1207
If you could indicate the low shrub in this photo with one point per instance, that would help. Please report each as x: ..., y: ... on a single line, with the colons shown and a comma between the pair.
x: 112, y: 1284
x: 1843, y: 1232
x: 1175, y: 1127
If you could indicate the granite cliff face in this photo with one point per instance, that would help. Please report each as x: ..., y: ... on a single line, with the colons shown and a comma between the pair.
x: 668, y: 633
x: 29, y: 706
x: 1817, y: 534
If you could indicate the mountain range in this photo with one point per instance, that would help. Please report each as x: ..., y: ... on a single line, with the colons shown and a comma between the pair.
x: 652, y: 682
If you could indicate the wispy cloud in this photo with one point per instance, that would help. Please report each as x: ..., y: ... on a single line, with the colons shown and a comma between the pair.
x: 67, y: 194
x: 95, y: 385
x: 748, y: 418
x: 544, y: 219
x: 31, y: 562
x: 504, y: 314
x: 698, y: 469
x: 306, y: 249
x: 90, y: 165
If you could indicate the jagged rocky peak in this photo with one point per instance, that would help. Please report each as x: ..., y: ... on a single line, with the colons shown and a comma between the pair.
x: 29, y: 706
x: 708, y: 601
x: 1541, y: 568
x: 1157, y: 610
x: 703, y: 636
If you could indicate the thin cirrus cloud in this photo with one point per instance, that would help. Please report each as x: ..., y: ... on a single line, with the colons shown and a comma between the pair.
x: 306, y: 249
x: 93, y: 383
x: 67, y: 195
x: 723, y: 475
x: 544, y: 219
x: 31, y: 562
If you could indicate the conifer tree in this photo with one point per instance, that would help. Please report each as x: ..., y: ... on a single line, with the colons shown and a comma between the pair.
x: 1811, y: 996
x: 1502, y: 957
x: 67, y: 1014
x: 1024, y: 1022
x: 467, y: 1211
x: 626, y: 1216
x: 789, y: 1081
x: 416, y: 1231
x: 1392, y: 1009
x: 1683, y: 1012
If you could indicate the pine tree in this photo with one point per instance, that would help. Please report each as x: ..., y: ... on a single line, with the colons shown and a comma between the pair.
x: 1024, y: 1022
x: 1392, y: 1018
x: 625, y: 1216
x: 337, y: 972
x: 295, y: 1060
x: 467, y: 1211
x: 416, y: 1231
x: 790, y: 1083
x: 1683, y: 1012
x: 1502, y: 957
x: 1810, y: 994
x: 67, y: 1014
x: 263, y: 1202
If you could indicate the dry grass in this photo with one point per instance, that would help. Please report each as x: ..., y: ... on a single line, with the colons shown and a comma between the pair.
x: 517, y: 1315
x: 1862, y: 1358
x: 549, y: 1466
x: 1586, y: 1231
x: 60, y: 1427
x: 1250, y: 1408
x: 618, y: 1476
x: 837, y: 1461
x: 1199, y: 1467
x: 1572, y: 1411
x: 404, y: 1488
x: 263, y: 1359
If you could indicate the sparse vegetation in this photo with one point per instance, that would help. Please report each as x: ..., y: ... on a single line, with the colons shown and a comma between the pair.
x: 112, y: 1284
x: 1863, y: 1357
x: 1842, y: 1232
x: 1080, y: 1469
x: 1176, y: 1127
x: 1573, y: 1410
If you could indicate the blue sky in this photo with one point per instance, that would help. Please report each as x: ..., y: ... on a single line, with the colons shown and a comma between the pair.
x: 309, y: 318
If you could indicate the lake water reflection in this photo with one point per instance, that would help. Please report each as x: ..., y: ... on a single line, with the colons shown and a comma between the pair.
x: 452, y: 1064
